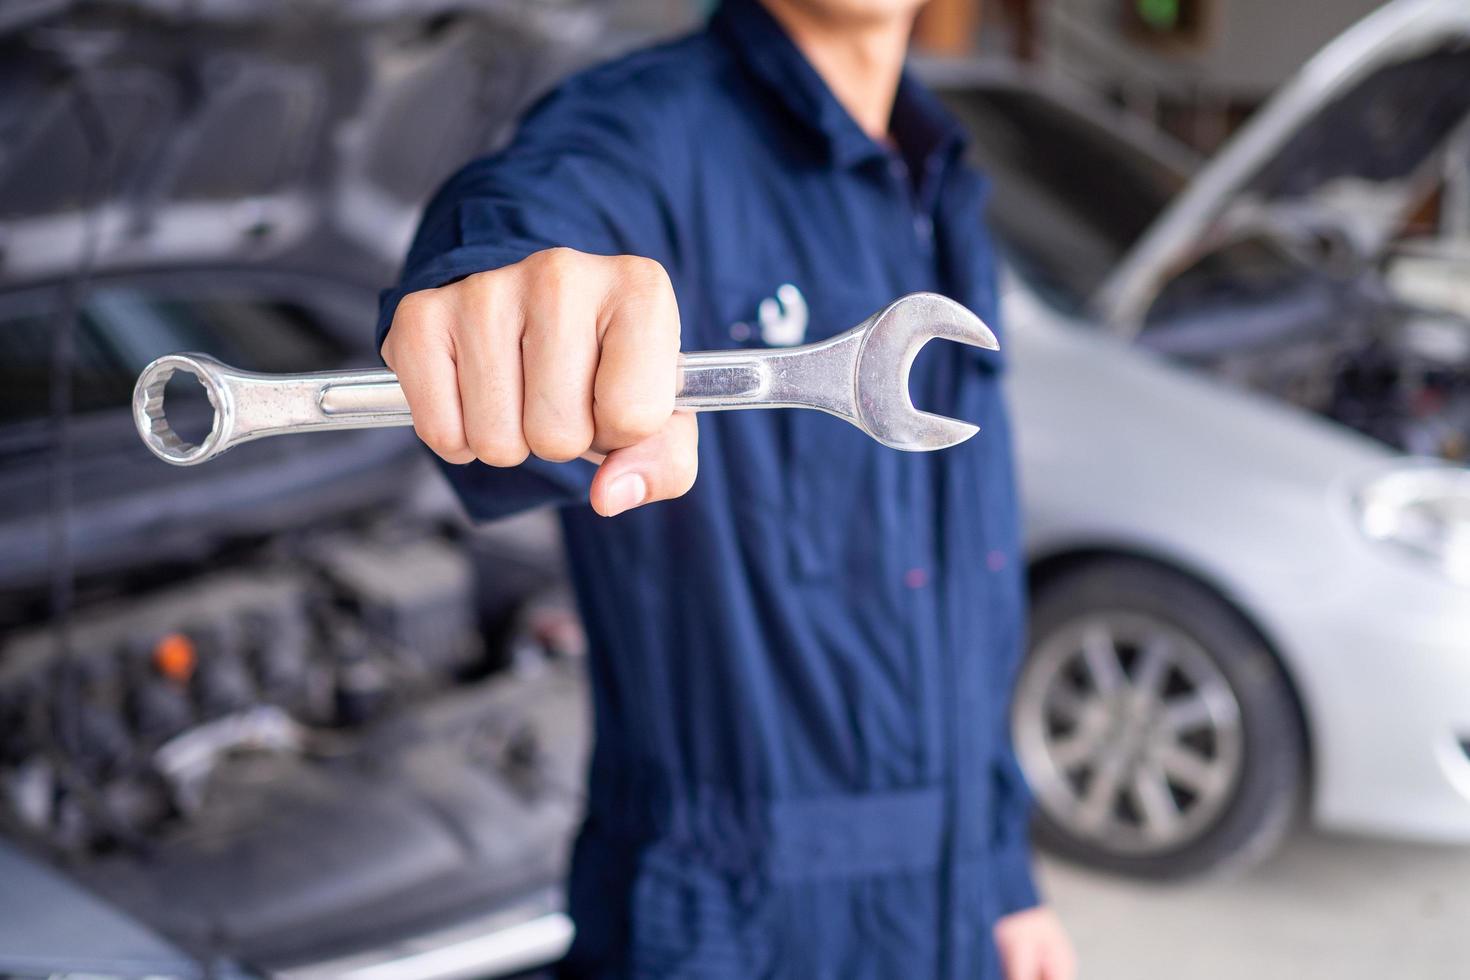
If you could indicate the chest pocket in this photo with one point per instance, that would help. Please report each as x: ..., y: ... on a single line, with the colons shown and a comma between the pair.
x: 827, y: 489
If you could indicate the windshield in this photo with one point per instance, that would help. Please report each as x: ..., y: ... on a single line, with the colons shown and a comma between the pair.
x: 121, y: 328
x: 1382, y: 130
x: 1070, y: 197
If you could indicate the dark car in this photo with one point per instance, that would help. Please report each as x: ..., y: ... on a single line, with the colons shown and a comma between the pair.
x: 282, y: 714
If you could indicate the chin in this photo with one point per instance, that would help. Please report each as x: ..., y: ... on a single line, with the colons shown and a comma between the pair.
x: 865, y: 10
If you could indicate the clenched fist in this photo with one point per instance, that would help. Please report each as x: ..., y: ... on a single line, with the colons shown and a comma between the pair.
x: 559, y: 356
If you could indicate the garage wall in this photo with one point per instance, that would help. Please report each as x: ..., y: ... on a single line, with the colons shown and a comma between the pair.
x: 1248, y: 46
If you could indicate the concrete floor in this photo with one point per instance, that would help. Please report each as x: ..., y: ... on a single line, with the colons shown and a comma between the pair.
x: 1335, y: 908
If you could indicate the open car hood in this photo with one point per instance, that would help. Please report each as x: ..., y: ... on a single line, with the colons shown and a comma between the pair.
x: 147, y: 133
x: 1350, y: 144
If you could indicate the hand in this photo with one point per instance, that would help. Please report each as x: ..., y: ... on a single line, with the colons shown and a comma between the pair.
x: 1034, y: 946
x: 560, y: 355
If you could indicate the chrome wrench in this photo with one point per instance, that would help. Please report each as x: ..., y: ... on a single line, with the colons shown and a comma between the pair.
x: 861, y: 376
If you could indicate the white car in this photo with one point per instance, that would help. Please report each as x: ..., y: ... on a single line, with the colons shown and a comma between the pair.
x: 1243, y: 413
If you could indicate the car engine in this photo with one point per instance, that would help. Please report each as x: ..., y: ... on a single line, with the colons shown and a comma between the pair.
x: 315, y: 724
x: 116, y: 734
x: 1342, y: 346
x: 1411, y: 389
x: 1405, y: 382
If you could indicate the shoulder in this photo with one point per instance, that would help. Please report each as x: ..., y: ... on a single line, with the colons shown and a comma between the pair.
x: 682, y: 71
x: 655, y: 90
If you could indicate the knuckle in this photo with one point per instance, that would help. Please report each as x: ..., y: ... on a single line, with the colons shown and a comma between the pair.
x: 479, y: 291
x: 558, y: 444
x: 415, y: 314
x: 413, y: 308
x: 648, y: 296
x: 499, y: 449
x: 630, y: 421
x: 643, y: 275
x: 555, y: 268
x: 423, y: 328
x: 442, y: 438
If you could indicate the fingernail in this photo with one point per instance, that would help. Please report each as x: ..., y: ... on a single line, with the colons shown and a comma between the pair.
x: 626, y: 491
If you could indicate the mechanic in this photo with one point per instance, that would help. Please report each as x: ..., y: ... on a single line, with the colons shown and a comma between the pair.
x: 800, y: 666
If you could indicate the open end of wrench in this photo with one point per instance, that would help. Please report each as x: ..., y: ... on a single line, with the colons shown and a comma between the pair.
x: 893, y: 339
x: 151, y: 419
x: 936, y: 432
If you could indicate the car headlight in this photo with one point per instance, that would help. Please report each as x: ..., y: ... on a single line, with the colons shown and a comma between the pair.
x: 1424, y: 512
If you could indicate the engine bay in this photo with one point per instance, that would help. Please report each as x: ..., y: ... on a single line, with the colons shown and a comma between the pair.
x: 307, y: 746
x: 1328, y: 336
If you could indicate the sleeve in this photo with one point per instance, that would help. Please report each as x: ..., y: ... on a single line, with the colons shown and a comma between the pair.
x: 1011, y: 850
x: 1011, y: 837
x: 580, y: 173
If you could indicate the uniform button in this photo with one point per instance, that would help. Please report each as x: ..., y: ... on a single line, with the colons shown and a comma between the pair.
x: 916, y: 578
x: 924, y: 227
x: 995, y: 560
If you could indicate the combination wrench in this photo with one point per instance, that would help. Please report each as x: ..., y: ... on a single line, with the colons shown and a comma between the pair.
x: 861, y: 375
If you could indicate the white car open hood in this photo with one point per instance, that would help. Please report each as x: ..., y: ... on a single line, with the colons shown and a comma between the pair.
x: 1351, y: 141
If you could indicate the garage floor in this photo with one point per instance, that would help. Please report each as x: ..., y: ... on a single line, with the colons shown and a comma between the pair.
x: 1325, y: 907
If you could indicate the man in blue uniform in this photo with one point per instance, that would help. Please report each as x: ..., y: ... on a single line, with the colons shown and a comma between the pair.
x: 801, y: 662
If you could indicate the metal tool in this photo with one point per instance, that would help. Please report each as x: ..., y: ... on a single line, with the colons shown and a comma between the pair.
x: 861, y: 375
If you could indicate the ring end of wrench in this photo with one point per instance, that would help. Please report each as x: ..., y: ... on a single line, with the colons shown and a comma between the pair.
x: 151, y: 418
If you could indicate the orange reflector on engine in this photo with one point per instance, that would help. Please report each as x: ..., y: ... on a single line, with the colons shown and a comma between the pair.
x: 174, y: 657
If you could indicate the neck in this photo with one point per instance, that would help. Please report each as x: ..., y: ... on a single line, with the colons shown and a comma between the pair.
x: 859, y: 57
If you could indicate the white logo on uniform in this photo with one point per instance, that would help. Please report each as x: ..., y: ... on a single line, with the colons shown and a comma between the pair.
x: 783, y: 317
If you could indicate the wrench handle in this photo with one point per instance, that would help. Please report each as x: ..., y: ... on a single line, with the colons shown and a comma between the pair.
x: 716, y: 380
x: 248, y: 405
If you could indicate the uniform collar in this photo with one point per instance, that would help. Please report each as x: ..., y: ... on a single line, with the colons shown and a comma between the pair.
x: 924, y: 131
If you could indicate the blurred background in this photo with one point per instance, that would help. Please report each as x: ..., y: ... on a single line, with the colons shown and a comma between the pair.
x: 288, y: 715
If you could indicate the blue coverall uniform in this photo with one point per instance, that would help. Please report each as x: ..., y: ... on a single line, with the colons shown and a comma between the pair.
x: 800, y: 670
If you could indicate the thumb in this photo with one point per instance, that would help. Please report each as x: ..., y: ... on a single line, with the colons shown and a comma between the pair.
x: 660, y: 467
x: 1022, y: 962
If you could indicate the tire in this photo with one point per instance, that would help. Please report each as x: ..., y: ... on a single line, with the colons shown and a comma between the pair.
x: 1157, y: 732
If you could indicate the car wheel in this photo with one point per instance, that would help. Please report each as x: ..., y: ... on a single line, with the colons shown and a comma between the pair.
x: 1158, y: 734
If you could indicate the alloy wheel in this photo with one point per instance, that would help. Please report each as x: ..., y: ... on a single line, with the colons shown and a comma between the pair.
x: 1129, y: 733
